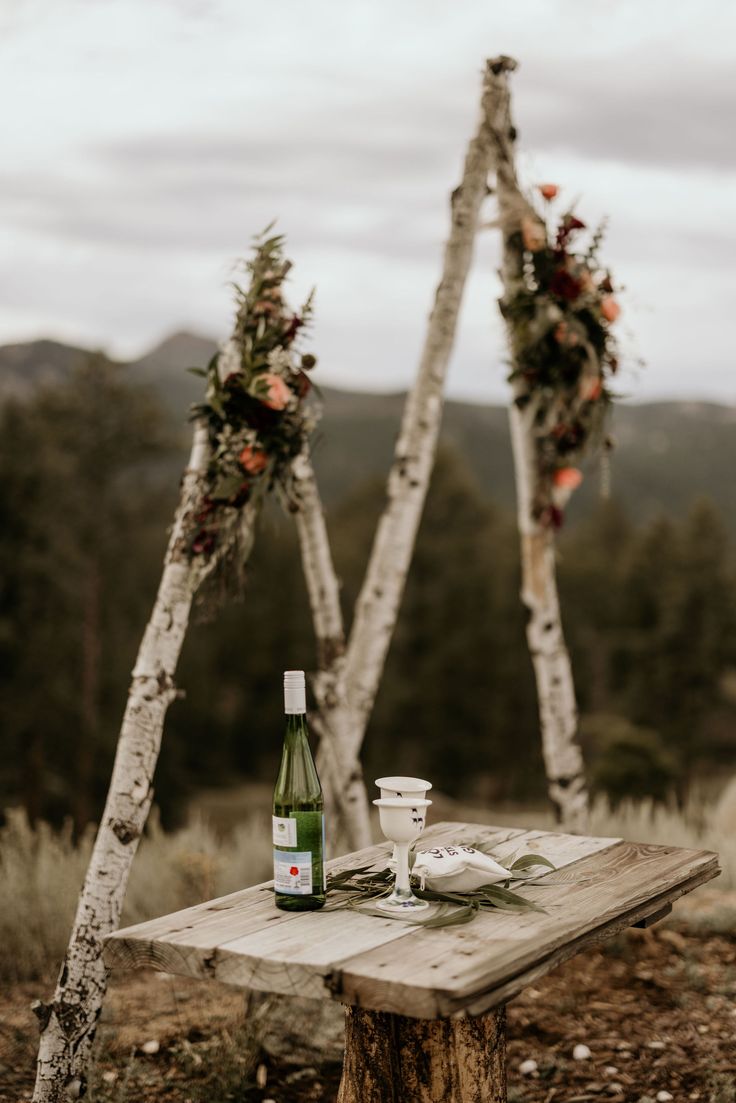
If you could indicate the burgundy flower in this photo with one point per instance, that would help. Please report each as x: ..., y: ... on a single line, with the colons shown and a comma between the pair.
x: 291, y: 327
x: 204, y: 542
x: 564, y: 285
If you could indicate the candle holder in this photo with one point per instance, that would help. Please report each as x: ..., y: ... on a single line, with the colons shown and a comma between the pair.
x: 402, y: 821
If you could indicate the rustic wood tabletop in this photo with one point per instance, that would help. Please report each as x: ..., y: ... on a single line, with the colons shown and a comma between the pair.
x: 394, y: 975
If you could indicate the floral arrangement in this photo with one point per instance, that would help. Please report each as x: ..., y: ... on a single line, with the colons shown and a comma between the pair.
x: 254, y: 403
x: 563, y: 349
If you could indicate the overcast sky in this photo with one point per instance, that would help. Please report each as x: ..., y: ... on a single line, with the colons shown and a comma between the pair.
x: 146, y: 141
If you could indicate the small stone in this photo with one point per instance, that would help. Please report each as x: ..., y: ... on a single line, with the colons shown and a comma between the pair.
x: 109, y: 1077
x: 702, y: 1028
x: 151, y: 1047
x: 261, y: 1076
x: 664, y: 1097
x: 610, y: 1070
x: 624, y: 1045
x: 656, y: 1045
x: 581, y: 1052
x: 614, y: 1088
x: 528, y: 1067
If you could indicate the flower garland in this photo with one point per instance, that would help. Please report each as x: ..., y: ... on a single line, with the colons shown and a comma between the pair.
x: 254, y: 404
x: 559, y: 317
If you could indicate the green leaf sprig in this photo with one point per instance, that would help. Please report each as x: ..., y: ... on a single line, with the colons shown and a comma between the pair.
x: 361, y: 886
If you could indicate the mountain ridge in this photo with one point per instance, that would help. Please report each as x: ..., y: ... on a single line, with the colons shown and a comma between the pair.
x: 669, y: 452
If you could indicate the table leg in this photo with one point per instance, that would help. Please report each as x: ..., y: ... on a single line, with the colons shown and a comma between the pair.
x: 394, y: 1059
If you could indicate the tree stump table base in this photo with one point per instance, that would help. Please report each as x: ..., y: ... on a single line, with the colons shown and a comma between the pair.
x: 393, y: 1059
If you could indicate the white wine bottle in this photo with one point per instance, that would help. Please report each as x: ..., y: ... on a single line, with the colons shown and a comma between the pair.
x: 298, y: 811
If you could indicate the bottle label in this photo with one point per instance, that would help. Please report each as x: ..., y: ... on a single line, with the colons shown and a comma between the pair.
x: 284, y: 831
x: 292, y: 872
x: 299, y: 872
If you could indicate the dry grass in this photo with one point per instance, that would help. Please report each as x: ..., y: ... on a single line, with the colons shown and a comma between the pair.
x: 41, y: 871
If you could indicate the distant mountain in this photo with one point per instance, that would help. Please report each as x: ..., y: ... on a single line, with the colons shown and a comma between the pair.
x: 667, y: 455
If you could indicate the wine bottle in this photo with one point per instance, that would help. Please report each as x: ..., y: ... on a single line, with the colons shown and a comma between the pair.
x: 298, y: 811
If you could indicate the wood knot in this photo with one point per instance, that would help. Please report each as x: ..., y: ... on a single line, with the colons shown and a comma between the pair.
x: 125, y: 831
x: 42, y: 1011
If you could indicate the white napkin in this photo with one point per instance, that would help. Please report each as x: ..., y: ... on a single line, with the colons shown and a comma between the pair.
x: 457, y: 868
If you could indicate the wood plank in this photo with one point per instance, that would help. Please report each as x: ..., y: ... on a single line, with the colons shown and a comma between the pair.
x: 471, y: 968
x: 191, y: 941
x: 244, y: 940
x: 600, y: 886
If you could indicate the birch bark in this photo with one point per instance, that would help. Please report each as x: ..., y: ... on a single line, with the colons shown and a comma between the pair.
x: 348, y: 686
x: 68, y: 1023
x: 558, y: 714
x: 323, y: 588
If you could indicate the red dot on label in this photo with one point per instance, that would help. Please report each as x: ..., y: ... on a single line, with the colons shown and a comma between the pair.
x: 294, y: 871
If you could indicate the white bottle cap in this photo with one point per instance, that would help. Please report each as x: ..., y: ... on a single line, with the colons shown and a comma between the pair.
x: 295, y: 693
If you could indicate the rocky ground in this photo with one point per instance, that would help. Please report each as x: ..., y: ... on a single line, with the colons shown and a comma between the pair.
x: 649, y: 1018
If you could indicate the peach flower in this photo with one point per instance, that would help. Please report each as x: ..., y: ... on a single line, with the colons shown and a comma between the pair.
x: 610, y: 308
x: 567, y: 478
x: 273, y: 391
x: 253, y: 460
x: 549, y: 191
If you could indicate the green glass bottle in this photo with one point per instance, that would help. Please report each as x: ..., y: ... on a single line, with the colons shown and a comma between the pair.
x: 298, y: 811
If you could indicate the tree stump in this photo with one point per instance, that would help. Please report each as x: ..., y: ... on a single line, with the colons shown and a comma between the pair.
x: 393, y: 1059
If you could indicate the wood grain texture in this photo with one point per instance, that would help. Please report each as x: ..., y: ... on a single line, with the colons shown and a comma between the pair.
x: 599, y: 887
x: 394, y: 1059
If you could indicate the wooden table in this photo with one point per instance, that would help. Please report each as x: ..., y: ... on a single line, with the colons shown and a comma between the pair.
x: 425, y: 1017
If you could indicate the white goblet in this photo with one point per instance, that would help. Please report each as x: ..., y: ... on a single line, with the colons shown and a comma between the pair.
x: 400, y: 786
x: 402, y: 821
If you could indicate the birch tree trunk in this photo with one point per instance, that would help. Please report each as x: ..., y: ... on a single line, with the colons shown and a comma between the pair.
x: 558, y: 714
x: 348, y: 686
x: 323, y: 588
x: 68, y: 1023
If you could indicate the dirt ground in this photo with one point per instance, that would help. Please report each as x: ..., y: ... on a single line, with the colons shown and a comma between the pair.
x: 656, y: 1009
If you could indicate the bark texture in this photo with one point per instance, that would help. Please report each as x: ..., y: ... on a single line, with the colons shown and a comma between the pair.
x: 68, y: 1023
x: 323, y: 588
x: 393, y: 1059
x: 550, y: 658
x: 348, y: 686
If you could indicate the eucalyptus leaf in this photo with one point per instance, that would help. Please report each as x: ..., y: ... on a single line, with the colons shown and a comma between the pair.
x: 527, y: 861
x: 505, y: 898
x: 226, y: 486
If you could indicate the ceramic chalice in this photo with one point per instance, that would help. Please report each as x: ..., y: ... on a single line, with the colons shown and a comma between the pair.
x: 402, y: 821
x: 400, y: 786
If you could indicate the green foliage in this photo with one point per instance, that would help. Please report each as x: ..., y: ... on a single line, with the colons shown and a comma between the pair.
x: 87, y: 487
x: 82, y: 495
x: 626, y: 761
